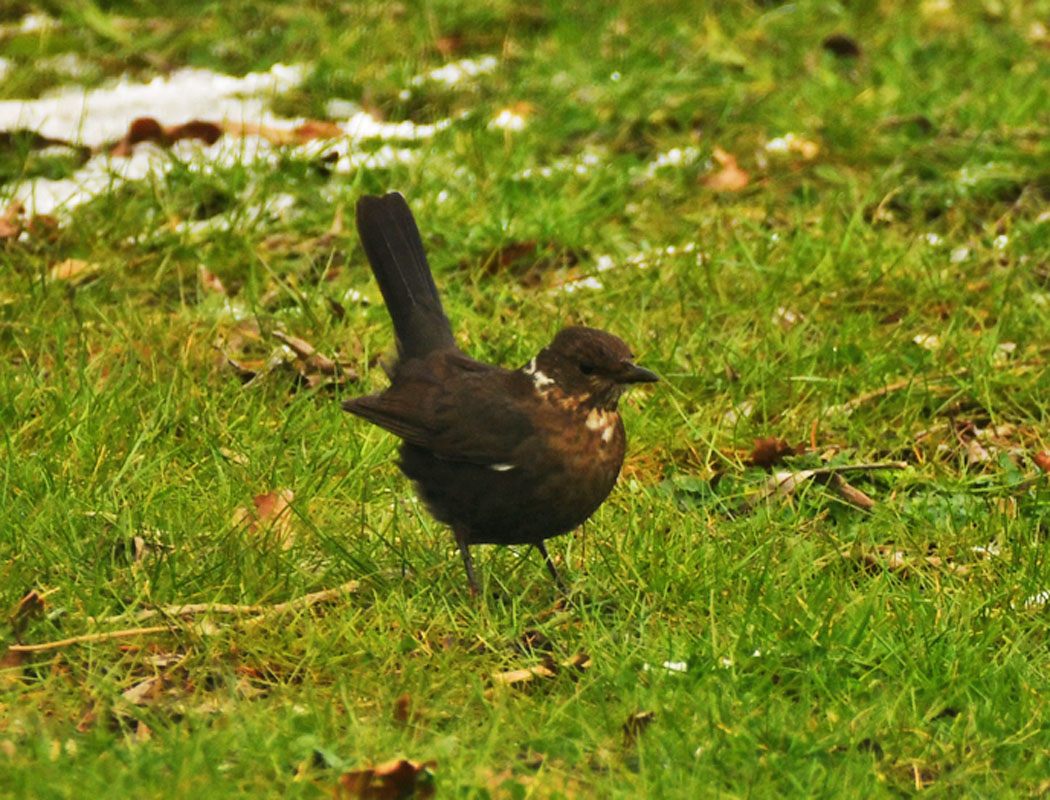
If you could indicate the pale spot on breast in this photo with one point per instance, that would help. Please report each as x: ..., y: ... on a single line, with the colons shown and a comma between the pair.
x: 597, y: 419
x: 600, y: 420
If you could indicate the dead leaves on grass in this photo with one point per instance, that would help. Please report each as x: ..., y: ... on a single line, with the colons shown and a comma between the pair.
x: 270, y: 514
x: 148, y: 129
x: 73, y: 271
x: 547, y: 669
x: 729, y: 177
x: 311, y: 368
x: 392, y: 780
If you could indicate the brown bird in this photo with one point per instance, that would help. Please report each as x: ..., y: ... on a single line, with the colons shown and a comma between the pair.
x: 502, y: 456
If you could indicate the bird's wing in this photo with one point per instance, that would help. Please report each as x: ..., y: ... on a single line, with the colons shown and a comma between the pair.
x: 473, y: 414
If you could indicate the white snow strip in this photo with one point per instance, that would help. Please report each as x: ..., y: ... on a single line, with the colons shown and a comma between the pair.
x: 30, y: 23
x: 458, y: 71
x: 98, y: 116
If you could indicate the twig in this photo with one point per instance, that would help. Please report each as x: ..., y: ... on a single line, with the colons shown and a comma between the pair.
x: 831, y: 469
x: 264, y: 613
x: 305, y: 601
x: 852, y: 405
x: 188, y: 610
x: 101, y: 636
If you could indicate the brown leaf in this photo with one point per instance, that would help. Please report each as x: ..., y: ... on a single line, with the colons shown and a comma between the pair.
x: 147, y: 129
x: 210, y: 281
x: 31, y: 605
x: 636, y: 724
x: 43, y: 226
x: 11, y: 668
x: 1042, y: 460
x: 11, y: 220
x: 269, y: 512
x: 144, y: 692
x: 308, y: 353
x: 842, y: 45
x: 308, y: 131
x: 207, y: 132
x: 317, y: 129
x: 449, y: 45
x: 73, y: 270
x: 769, y: 452
x: 403, y: 709
x: 142, y: 733
x: 392, y: 780
x: 519, y: 677
x: 314, y: 367
x: 729, y: 177
x: 548, y: 669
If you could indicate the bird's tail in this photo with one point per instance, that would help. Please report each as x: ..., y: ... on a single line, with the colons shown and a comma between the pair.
x: 394, y: 249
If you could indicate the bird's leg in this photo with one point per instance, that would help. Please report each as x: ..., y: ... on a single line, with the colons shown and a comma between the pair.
x: 464, y: 549
x: 550, y: 567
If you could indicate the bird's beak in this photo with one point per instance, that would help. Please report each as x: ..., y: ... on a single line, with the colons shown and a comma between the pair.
x: 632, y: 373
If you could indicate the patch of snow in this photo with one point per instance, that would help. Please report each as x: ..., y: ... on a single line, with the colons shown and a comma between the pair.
x: 458, y: 71
x: 508, y: 120
x: 95, y: 116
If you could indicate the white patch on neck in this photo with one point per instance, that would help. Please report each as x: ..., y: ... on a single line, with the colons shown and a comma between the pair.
x: 598, y: 419
x: 539, y: 379
x: 501, y: 467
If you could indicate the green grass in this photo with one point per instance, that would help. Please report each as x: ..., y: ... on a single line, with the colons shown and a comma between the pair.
x: 814, y: 666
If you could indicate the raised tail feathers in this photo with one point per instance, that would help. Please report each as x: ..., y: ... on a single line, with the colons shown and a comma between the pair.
x: 395, y: 250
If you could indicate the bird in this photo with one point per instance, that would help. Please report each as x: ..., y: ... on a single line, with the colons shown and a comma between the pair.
x: 501, y: 456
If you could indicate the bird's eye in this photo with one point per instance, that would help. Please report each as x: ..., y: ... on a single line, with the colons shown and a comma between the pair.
x: 587, y: 369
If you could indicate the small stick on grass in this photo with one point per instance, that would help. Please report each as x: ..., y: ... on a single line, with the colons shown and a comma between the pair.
x: 262, y: 613
x: 87, y: 638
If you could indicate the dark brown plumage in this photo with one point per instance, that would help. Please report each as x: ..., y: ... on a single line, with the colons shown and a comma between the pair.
x: 501, y: 456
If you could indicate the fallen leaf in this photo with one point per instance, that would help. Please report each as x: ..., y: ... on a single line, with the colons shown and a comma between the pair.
x: 240, y: 459
x: 11, y: 668
x: 142, y: 732
x: 31, y: 605
x: 314, y: 367
x: 145, y: 691
x: 770, y: 451
x: 729, y: 177
x: 403, y: 709
x: 519, y: 677
x: 888, y: 558
x: 548, y: 669
x: 210, y: 281
x: 308, y: 353
x: 785, y: 483
x: 269, y: 512
x: 449, y: 45
x: 147, y: 129
x: 11, y: 220
x: 310, y: 130
x: 636, y: 724
x: 73, y: 270
x: 841, y: 45
x: 1042, y: 460
x: 392, y: 780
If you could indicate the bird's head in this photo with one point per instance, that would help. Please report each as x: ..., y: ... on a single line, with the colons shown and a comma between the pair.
x: 590, y: 364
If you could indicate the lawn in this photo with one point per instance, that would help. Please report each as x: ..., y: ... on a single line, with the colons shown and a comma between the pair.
x: 824, y: 225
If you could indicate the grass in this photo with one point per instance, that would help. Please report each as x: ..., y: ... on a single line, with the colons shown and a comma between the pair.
x: 829, y: 651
